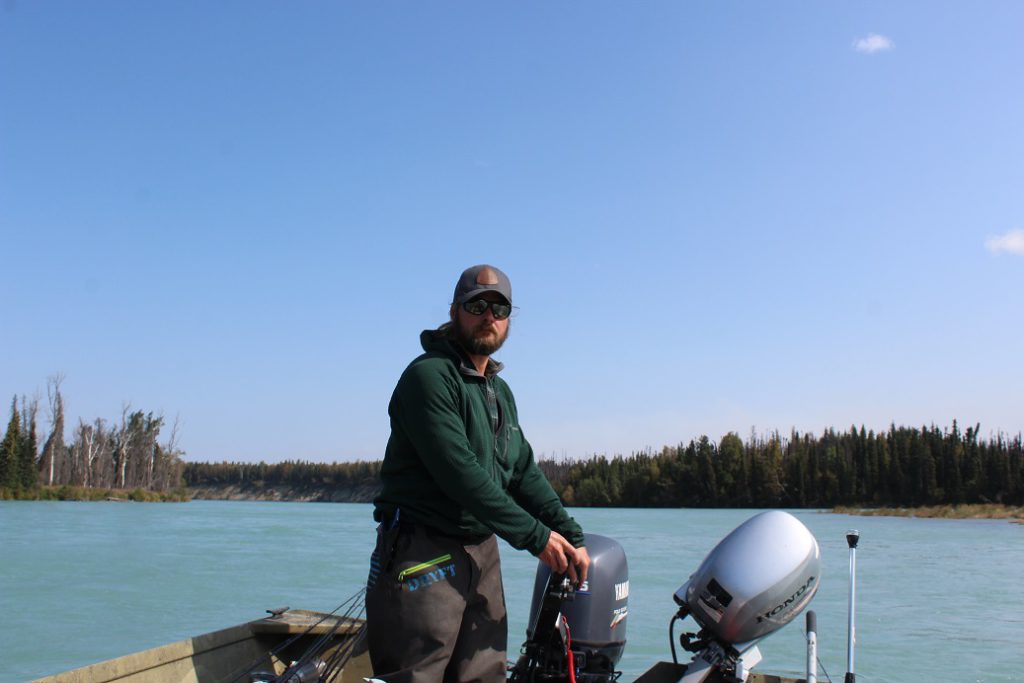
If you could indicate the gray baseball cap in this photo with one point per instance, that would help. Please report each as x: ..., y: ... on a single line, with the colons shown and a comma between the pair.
x: 480, y: 279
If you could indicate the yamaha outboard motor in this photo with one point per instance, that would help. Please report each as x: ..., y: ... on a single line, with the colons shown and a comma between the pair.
x: 754, y: 582
x: 577, y: 634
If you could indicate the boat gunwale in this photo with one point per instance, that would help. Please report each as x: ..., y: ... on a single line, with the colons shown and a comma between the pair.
x: 291, y: 622
x: 142, y: 661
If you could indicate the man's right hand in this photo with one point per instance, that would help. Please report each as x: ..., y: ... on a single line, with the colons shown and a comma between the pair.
x: 560, y: 556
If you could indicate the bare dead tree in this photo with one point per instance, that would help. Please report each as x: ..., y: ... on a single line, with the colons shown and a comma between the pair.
x: 102, y: 468
x: 55, y: 454
x: 92, y: 445
x: 170, y: 467
x: 79, y: 474
x: 122, y: 447
x: 153, y: 453
x: 127, y: 455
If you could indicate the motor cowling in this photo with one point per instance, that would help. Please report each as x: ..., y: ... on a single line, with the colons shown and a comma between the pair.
x: 756, y: 580
x: 596, y: 612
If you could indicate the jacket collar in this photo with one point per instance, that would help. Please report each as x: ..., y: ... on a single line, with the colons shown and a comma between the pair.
x: 436, y: 341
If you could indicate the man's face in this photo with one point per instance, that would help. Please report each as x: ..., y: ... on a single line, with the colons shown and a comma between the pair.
x: 481, y: 334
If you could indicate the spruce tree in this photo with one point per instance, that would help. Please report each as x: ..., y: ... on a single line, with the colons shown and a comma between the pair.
x: 27, y: 475
x: 10, y: 449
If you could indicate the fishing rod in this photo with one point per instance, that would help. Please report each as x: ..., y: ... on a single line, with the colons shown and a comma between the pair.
x: 310, y: 666
x: 307, y: 667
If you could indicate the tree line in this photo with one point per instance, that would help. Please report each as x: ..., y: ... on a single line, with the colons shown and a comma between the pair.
x: 903, y: 466
x: 295, y: 474
x: 123, y: 454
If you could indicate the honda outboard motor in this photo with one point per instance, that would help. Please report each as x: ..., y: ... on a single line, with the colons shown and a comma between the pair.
x: 754, y: 582
x: 578, y: 633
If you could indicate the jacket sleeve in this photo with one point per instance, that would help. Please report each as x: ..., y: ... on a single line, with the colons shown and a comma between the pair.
x: 428, y: 411
x: 533, y: 491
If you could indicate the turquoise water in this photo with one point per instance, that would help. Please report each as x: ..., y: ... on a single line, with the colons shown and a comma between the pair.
x: 82, y: 582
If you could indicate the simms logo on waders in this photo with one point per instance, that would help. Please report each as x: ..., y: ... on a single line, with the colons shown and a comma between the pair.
x: 429, y: 572
x: 789, y: 601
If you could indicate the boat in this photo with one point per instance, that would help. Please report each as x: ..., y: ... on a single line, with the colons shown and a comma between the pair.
x: 225, y: 655
x: 754, y: 582
x: 263, y: 649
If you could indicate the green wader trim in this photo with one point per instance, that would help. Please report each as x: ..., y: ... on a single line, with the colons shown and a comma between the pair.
x: 425, y: 565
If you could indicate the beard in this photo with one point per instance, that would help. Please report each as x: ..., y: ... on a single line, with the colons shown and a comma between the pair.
x: 481, y: 339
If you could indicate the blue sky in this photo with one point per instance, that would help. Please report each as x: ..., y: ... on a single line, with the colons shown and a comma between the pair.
x: 717, y: 216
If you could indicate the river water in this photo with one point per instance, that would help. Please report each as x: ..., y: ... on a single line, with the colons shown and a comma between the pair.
x: 937, y: 600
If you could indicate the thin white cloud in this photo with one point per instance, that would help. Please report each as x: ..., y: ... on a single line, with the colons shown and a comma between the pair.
x: 872, y: 43
x: 1010, y: 243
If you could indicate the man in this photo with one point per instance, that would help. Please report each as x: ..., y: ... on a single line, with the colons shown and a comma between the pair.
x: 457, y: 471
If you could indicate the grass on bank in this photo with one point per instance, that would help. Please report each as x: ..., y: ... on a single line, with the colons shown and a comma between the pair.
x: 973, y: 511
x: 81, y: 493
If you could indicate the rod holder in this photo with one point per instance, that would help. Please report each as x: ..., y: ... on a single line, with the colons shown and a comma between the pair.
x: 812, y: 647
x: 852, y: 538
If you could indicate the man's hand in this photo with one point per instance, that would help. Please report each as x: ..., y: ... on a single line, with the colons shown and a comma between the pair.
x: 582, y: 563
x: 562, y: 558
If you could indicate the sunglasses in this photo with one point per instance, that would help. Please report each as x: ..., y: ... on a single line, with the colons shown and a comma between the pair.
x: 499, y: 310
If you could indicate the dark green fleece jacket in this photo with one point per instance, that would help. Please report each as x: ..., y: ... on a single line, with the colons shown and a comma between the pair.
x: 457, y: 460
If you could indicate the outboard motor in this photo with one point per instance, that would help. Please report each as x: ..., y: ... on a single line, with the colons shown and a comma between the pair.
x: 754, y: 582
x: 577, y: 634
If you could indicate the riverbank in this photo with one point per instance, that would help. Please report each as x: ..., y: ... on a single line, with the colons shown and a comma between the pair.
x: 365, y: 494
x: 285, y: 493
x: 95, y: 494
x: 975, y: 511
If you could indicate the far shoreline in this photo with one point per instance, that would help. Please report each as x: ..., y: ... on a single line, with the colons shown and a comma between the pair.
x: 286, y: 494
x: 968, y: 511
x: 1012, y: 513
